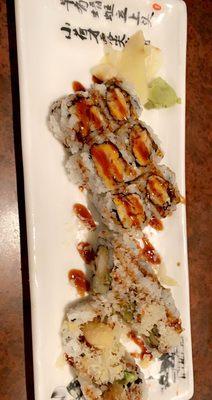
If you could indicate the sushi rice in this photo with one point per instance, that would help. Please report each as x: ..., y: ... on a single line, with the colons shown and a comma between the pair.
x: 92, y: 346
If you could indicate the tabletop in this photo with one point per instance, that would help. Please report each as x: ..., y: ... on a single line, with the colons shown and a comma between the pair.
x: 16, y: 374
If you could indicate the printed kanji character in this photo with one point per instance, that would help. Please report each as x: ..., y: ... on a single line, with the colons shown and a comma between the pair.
x: 81, y: 33
x: 109, y: 11
x: 135, y: 16
x: 122, y: 14
x: 67, y: 29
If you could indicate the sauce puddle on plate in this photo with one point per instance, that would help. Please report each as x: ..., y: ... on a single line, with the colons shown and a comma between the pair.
x: 78, y: 87
x: 80, y: 281
x: 86, y: 252
x: 84, y: 216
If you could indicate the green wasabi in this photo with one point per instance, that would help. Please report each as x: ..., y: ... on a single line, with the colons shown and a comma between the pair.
x: 161, y: 95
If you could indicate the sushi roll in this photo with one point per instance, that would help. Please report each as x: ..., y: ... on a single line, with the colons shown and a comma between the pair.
x: 125, y: 206
x: 136, y: 296
x: 132, y: 145
x: 78, y: 118
x: 133, y: 204
x: 111, y: 159
x: 92, y: 347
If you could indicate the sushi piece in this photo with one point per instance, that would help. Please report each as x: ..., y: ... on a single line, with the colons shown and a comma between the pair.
x: 92, y: 347
x: 70, y: 120
x: 124, y: 211
x: 161, y: 192
x: 120, y: 101
x: 141, y: 143
x: 74, y: 119
x: 136, y: 295
x: 79, y: 117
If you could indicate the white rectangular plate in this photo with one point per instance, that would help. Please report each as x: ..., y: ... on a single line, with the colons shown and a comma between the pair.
x: 50, y: 58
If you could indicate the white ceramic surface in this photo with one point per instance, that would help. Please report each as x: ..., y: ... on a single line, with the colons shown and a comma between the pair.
x: 48, y: 63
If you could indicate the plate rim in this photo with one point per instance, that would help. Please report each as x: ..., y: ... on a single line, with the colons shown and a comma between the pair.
x: 28, y: 194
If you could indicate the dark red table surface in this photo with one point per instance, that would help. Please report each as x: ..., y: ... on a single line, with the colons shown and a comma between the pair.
x: 16, y: 378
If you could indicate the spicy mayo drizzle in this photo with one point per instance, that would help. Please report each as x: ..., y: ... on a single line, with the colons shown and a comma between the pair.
x: 108, y: 166
x: 119, y: 101
x: 88, y: 115
x: 140, y: 150
x: 83, y: 113
x: 139, y: 342
x: 69, y: 359
x: 156, y: 223
x: 133, y: 209
x: 149, y: 252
